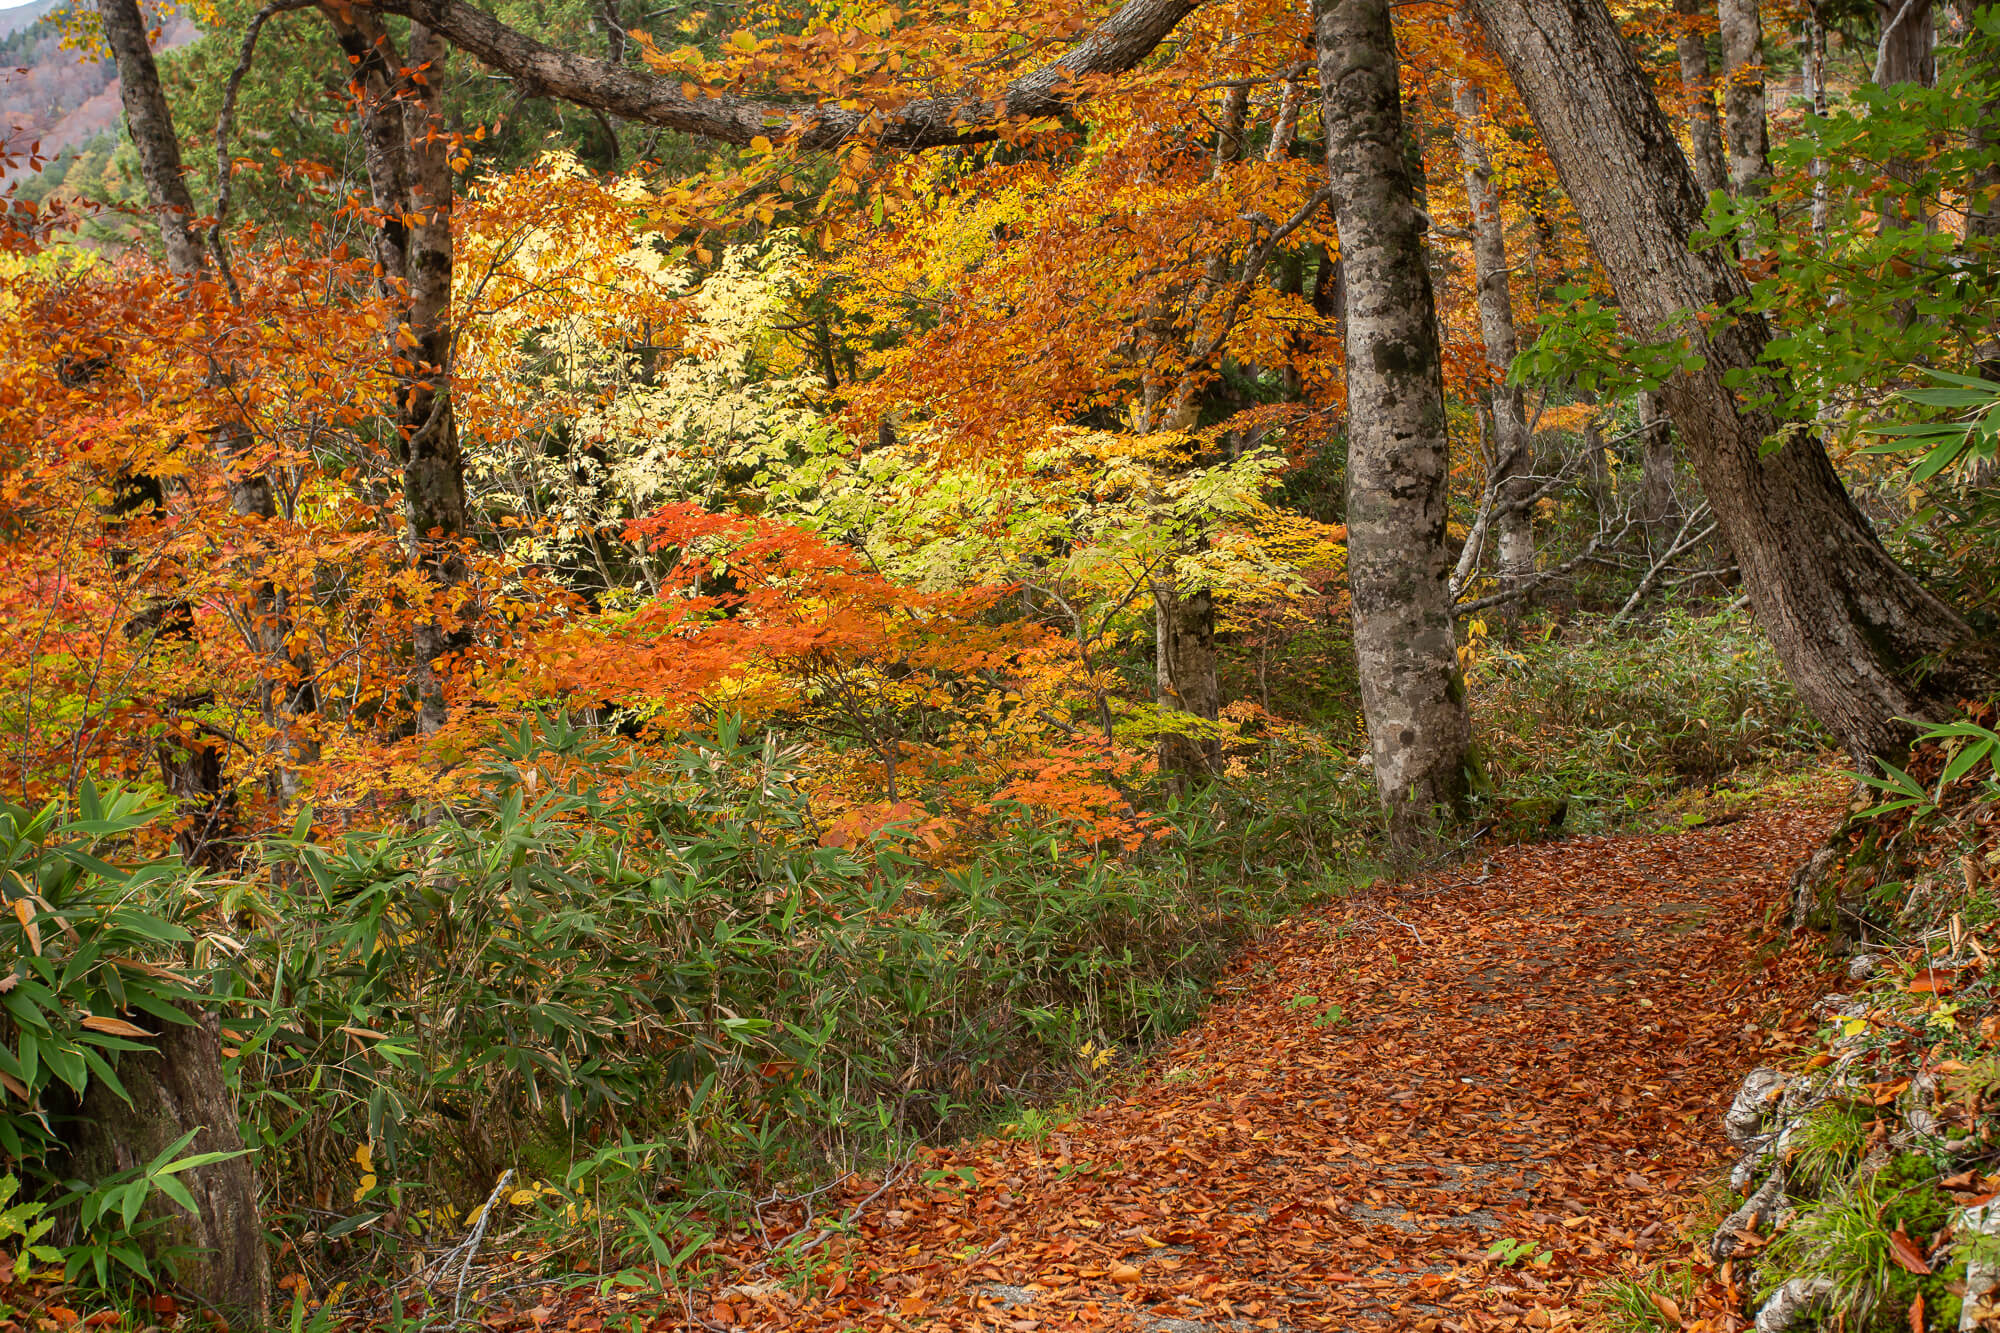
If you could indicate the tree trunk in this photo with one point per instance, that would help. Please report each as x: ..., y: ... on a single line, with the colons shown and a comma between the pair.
x: 1866, y: 644
x: 1412, y: 695
x: 1657, y: 505
x: 181, y: 1087
x: 1906, y: 54
x: 151, y: 126
x: 1743, y: 95
x: 1513, y: 450
x: 1184, y: 677
x: 1982, y: 193
x: 1907, y: 50
x: 1698, y: 92
x: 177, y: 1087
x: 1812, y: 64
x: 410, y: 186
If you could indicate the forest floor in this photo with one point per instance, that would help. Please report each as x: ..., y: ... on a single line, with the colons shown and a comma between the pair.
x: 1534, y: 1048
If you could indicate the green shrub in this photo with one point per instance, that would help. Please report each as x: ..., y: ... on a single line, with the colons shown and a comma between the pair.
x: 1614, y: 722
x: 601, y: 942
x: 94, y: 945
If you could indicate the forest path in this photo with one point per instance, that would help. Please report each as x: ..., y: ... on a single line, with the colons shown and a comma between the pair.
x: 1536, y: 1047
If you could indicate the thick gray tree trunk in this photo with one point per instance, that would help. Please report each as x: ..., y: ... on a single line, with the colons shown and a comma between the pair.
x: 1411, y: 692
x: 1865, y: 643
x: 1513, y: 450
x: 1711, y: 168
x: 1906, y: 51
x: 1743, y: 121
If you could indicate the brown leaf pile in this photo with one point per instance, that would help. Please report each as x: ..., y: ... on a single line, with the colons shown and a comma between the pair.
x: 1533, y: 1050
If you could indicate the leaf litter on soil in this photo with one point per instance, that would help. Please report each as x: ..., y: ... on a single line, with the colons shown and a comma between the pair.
x: 1454, y: 1104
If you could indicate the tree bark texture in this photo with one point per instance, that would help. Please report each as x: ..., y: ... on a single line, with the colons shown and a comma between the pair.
x: 1184, y: 676
x: 1865, y: 643
x: 406, y: 149
x: 1411, y: 692
x: 1656, y: 466
x: 151, y: 126
x: 180, y: 1087
x: 1982, y: 56
x: 1711, y: 168
x: 177, y: 1087
x: 1743, y: 120
x: 1513, y: 452
x: 1906, y: 52
x: 1122, y: 41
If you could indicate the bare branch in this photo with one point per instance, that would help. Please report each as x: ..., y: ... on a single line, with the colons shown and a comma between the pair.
x: 1126, y: 38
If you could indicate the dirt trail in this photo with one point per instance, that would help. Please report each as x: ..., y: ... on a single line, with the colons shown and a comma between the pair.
x: 1536, y: 1048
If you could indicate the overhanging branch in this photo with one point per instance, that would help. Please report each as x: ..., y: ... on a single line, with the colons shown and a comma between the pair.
x: 1126, y: 38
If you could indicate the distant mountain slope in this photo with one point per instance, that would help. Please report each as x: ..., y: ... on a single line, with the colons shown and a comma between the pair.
x: 16, y: 17
x: 56, y: 97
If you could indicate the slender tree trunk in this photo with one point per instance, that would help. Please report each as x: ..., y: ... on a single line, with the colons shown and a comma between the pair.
x: 433, y: 465
x: 1398, y: 566
x: 406, y: 148
x: 178, y: 1086
x: 1813, y: 65
x: 1513, y: 450
x: 1656, y: 485
x: 1742, y: 29
x: 1982, y: 57
x: 1184, y: 676
x: 1711, y: 168
x: 1905, y: 54
x: 1866, y: 643
x: 1184, y: 665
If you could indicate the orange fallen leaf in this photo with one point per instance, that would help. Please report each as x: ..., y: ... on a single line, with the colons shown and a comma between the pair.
x: 1906, y: 1254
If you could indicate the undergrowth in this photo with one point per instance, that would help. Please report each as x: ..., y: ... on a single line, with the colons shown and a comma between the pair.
x: 1612, y: 721
x: 624, y: 993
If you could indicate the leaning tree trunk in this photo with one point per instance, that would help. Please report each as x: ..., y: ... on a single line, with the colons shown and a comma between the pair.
x: 151, y: 126
x: 1513, y: 451
x: 1412, y: 695
x: 1743, y: 120
x: 1866, y: 644
x: 1711, y: 168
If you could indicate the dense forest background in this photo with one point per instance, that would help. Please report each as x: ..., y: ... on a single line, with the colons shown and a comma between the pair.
x: 658, y: 605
